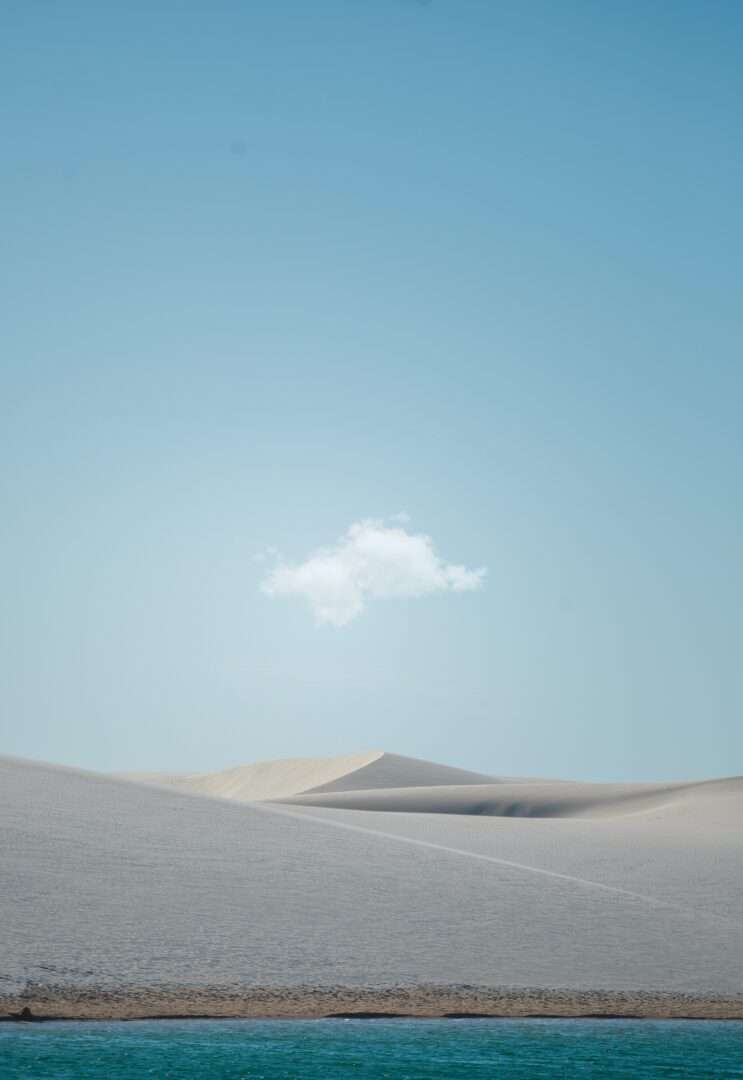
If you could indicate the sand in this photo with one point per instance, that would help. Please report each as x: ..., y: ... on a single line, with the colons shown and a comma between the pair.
x: 413, y: 889
x: 539, y: 799
x: 312, y: 1002
x: 293, y: 776
x: 262, y: 780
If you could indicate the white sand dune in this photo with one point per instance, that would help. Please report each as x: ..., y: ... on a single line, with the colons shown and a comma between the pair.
x: 526, y: 799
x: 394, y: 770
x: 263, y: 779
x: 293, y: 776
x: 111, y: 885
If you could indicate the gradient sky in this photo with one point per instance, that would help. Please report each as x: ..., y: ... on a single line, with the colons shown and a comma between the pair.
x: 270, y: 269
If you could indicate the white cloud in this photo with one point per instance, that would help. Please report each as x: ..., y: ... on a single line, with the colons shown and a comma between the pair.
x: 372, y: 559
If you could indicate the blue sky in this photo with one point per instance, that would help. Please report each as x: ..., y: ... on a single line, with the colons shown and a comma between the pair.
x: 270, y: 270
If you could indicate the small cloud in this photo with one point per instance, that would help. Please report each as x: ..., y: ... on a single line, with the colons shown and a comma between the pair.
x: 371, y: 560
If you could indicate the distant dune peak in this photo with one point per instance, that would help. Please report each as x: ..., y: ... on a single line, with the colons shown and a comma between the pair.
x: 283, y: 778
x: 395, y: 770
x: 392, y: 783
x: 264, y: 779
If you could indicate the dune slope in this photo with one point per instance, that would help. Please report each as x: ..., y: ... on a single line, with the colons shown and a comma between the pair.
x: 294, y: 776
x: 113, y: 886
x: 524, y: 799
x: 394, y: 770
x: 263, y: 779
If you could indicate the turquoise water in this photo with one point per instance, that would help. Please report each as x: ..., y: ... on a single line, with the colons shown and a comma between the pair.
x: 394, y: 1049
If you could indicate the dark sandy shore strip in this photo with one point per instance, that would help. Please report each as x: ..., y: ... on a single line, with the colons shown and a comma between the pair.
x: 306, y: 1002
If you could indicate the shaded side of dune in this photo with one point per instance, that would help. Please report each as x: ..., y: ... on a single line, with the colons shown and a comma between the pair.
x: 522, y: 799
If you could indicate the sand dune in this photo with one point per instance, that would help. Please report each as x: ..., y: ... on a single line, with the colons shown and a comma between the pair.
x: 130, y: 898
x: 394, y: 770
x: 263, y: 779
x: 293, y: 776
x: 377, y: 781
x: 525, y: 799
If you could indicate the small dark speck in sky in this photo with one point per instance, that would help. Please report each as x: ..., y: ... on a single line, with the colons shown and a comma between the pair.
x: 238, y: 147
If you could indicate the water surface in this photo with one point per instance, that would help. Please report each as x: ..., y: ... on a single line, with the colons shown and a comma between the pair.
x: 390, y: 1049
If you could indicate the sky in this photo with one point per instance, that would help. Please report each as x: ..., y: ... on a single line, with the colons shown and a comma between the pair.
x: 371, y: 378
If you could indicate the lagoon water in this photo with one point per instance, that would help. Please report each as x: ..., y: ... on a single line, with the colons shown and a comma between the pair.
x: 390, y: 1049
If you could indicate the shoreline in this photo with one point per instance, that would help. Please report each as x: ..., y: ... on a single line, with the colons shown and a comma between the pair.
x: 40, y: 1004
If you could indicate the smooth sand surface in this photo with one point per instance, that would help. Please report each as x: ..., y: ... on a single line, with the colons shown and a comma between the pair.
x: 119, y: 898
x: 394, y: 770
x: 263, y: 779
x: 553, y: 799
x: 293, y: 776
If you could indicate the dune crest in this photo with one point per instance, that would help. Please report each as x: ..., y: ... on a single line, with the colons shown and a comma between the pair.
x: 381, y: 782
x: 298, y: 776
x: 263, y: 779
x: 528, y: 799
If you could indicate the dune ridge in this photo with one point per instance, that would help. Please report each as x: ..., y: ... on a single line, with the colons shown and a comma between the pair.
x: 296, y: 776
x: 262, y: 779
x: 376, y: 781
x: 524, y: 799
